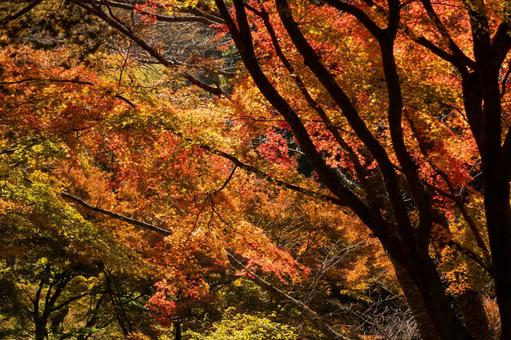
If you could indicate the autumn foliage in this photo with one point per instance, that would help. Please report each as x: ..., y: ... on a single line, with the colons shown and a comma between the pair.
x: 251, y: 169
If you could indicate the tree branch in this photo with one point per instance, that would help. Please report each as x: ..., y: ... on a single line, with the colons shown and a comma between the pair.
x: 48, y: 80
x: 457, y: 52
x: 311, y: 101
x: 361, y: 16
x: 19, y: 14
x: 302, y: 307
x: 142, y: 44
x: 342, y: 100
x: 243, y: 39
x: 163, y: 18
x: 120, y: 217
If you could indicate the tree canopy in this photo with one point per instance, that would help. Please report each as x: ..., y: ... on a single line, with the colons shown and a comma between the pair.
x: 232, y: 169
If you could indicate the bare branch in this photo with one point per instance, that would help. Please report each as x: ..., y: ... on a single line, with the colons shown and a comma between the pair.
x: 142, y: 44
x: 304, y: 309
x: 48, y: 80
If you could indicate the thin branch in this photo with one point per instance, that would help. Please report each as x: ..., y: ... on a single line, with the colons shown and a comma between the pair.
x: 126, y: 100
x: 361, y: 16
x: 19, y: 14
x: 231, y: 174
x: 459, y: 63
x: 49, y: 80
x: 271, y: 179
x: 457, y: 52
x: 304, y: 309
x: 250, y: 168
x: 215, y: 90
x: 207, y: 20
x: 68, y: 301
x: 120, y: 217
x: 504, y: 81
x: 199, y: 12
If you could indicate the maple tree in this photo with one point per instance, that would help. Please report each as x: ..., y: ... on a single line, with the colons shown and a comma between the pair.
x: 386, y: 114
x: 386, y: 127
x: 95, y: 143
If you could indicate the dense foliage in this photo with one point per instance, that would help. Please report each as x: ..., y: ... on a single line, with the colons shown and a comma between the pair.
x: 255, y: 169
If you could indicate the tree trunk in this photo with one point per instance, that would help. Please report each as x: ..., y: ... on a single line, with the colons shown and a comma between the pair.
x: 498, y: 219
x: 436, y: 301
x: 426, y: 296
x: 177, y: 326
x: 41, y: 332
x: 413, y: 297
x: 474, y: 315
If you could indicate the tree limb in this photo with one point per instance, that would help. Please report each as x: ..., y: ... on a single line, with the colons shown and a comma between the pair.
x: 19, y: 14
x: 160, y: 17
x: 112, y: 214
x: 142, y: 44
x: 302, y: 307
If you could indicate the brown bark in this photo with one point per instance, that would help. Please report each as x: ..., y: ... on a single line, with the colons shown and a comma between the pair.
x: 498, y: 216
x: 41, y: 332
x: 413, y: 297
x: 474, y: 315
x: 437, y: 304
x: 177, y: 332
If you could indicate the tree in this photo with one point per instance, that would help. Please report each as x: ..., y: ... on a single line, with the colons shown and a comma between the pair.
x: 393, y: 110
x: 405, y: 231
x: 68, y: 131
